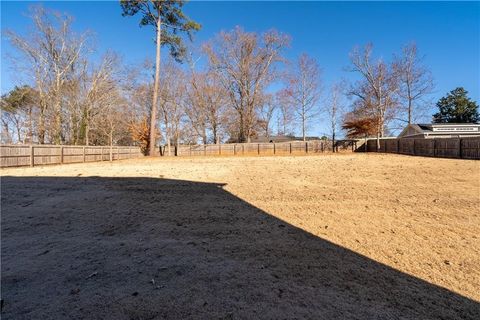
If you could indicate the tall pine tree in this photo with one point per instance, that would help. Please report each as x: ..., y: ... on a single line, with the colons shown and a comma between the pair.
x: 168, y: 19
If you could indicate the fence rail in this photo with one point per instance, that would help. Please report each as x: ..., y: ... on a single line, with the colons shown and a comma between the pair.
x: 33, y: 155
x: 460, y: 148
x: 233, y: 149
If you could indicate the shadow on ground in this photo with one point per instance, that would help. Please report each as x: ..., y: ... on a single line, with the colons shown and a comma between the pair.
x: 141, y: 248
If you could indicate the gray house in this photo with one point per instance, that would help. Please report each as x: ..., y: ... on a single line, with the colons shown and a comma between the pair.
x: 441, y: 130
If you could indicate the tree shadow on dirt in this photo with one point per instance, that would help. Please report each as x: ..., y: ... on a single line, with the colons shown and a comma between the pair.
x: 144, y: 248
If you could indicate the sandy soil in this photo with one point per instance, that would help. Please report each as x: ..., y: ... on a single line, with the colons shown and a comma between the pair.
x: 352, y: 236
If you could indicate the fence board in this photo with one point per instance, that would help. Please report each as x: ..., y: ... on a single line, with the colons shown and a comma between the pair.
x: 471, y: 148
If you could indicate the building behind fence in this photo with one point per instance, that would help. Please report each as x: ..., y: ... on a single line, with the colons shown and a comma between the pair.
x: 460, y: 148
x: 32, y: 155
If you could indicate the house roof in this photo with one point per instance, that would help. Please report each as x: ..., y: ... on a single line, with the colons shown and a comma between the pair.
x: 440, y: 129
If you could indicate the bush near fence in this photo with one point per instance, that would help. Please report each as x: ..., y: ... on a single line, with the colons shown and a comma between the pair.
x: 33, y: 155
x: 459, y: 148
x: 236, y: 149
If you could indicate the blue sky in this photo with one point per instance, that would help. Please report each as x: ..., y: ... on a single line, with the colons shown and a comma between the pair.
x: 447, y: 33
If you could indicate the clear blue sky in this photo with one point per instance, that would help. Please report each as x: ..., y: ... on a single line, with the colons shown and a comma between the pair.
x: 447, y: 33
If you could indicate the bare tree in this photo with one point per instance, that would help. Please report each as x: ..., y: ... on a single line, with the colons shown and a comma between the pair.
x: 111, y: 121
x: 101, y: 90
x: 266, y: 112
x: 303, y: 89
x: 207, y: 102
x: 286, y: 113
x: 173, y: 97
x: 377, y: 89
x: 415, y: 79
x: 195, y: 108
x: 245, y: 63
x: 335, y: 108
x: 51, y: 50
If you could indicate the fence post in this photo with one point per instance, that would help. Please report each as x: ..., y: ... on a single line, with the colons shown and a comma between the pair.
x: 243, y: 149
x: 460, y: 148
x: 32, y: 156
x: 321, y: 146
x: 306, y: 147
x: 290, y: 148
x: 435, y: 147
x: 274, y: 150
x: 204, y: 149
x: 111, y: 154
x: 414, y: 151
x: 234, y: 149
x: 219, y: 149
x: 61, y: 154
x: 258, y: 148
x: 83, y: 153
x: 118, y: 153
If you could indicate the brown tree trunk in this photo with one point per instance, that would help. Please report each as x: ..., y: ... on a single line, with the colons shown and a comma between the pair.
x: 41, y: 128
x: 333, y: 141
x: 153, y: 115
x: 30, y: 126
x: 215, y: 135
x: 111, y: 145
x: 169, y: 144
x: 241, y: 133
x: 87, y: 129
x: 303, y: 127
x: 409, y: 111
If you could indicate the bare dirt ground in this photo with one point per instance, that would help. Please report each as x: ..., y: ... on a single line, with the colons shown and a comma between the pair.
x: 352, y: 236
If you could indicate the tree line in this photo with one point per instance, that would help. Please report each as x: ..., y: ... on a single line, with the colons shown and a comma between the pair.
x: 231, y: 88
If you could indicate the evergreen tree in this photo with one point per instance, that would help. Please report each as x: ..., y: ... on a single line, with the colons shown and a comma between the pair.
x: 456, y: 107
x: 168, y: 19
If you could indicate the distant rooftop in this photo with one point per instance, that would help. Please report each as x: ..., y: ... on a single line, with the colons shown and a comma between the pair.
x: 434, y: 130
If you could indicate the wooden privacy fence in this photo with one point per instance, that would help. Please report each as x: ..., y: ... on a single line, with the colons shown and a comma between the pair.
x: 232, y: 149
x: 461, y: 148
x: 32, y: 155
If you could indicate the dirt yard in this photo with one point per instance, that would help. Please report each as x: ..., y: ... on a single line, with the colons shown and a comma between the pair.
x: 352, y: 236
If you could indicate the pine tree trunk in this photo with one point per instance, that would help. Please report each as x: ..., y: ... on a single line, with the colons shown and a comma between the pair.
x: 153, y: 113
